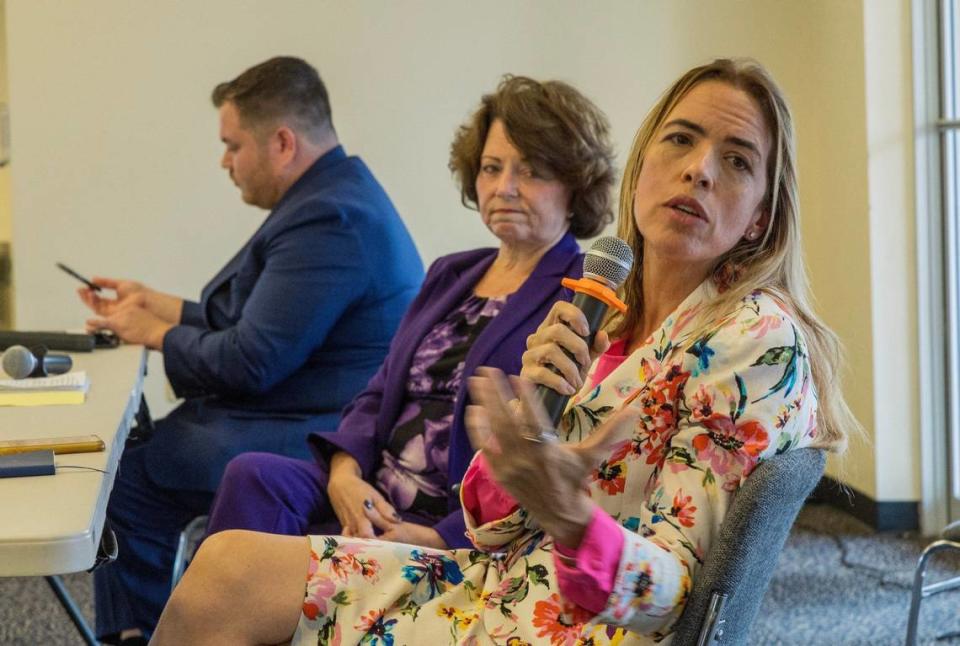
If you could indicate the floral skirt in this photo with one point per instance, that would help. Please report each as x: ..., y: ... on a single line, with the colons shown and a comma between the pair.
x: 362, y: 591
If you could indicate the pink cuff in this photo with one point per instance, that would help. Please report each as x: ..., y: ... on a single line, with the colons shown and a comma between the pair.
x: 588, y: 582
x: 608, y: 362
x: 482, y: 496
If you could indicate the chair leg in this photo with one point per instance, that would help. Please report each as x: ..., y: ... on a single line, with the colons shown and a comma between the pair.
x: 712, y: 627
x: 919, y: 591
x: 916, y: 596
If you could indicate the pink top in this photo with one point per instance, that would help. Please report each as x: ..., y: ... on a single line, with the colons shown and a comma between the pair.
x: 609, y: 361
x: 589, y: 581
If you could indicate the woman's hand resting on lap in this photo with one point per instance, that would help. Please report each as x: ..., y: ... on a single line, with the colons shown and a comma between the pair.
x: 362, y: 510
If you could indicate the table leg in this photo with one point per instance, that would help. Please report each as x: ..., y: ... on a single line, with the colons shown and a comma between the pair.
x: 68, y: 604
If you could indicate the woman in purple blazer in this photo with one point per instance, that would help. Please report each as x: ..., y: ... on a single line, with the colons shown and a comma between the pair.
x: 536, y: 162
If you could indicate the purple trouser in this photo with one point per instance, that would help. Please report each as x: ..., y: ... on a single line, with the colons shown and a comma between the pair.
x: 272, y: 493
x: 279, y: 495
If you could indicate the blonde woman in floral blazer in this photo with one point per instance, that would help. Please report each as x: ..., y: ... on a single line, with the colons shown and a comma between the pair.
x: 593, y: 539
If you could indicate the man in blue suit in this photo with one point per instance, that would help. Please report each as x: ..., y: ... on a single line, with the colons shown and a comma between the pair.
x: 283, y: 336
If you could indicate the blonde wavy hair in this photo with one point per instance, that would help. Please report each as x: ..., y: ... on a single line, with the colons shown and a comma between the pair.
x: 773, y: 262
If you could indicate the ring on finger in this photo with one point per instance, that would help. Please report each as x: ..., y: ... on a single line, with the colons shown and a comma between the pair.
x: 541, y: 360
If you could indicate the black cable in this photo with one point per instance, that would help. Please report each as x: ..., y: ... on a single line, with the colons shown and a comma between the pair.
x: 76, y: 466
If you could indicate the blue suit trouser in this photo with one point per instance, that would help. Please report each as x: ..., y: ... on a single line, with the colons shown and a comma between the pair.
x: 147, y: 519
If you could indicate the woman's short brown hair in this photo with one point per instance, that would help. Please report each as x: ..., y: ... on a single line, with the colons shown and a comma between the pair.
x: 556, y: 129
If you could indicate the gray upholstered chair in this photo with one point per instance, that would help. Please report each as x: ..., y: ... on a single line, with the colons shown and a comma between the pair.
x: 949, y: 541
x: 730, y: 585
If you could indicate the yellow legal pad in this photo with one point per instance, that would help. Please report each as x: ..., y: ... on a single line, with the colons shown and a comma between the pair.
x: 69, y: 388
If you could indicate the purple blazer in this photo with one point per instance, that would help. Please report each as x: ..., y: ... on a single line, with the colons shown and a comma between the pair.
x: 367, y: 422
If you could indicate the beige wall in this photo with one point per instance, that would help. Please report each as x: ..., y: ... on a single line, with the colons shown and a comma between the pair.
x: 829, y: 111
x: 116, y: 147
x: 890, y: 163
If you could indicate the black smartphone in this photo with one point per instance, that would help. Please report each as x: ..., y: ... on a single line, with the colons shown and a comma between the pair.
x: 83, y: 280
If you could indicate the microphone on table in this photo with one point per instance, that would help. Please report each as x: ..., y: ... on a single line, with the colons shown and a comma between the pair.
x: 605, y: 267
x: 20, y: 362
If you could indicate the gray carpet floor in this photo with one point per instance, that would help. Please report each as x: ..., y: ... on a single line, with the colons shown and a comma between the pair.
x: 837, y: 582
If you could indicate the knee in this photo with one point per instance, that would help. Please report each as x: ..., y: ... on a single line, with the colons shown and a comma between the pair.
x: 252, y: 470
x: 202, y: 591
x: 216, y: 563
x: 212, y: 576
x: 248, y: 577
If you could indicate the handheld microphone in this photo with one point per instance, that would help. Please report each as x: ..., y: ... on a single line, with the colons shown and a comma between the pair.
x: 20, y: 362
x: 605, y: 267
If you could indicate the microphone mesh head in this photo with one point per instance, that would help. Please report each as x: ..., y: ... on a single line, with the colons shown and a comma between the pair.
x: 18, y: 362
x: 609, y: 259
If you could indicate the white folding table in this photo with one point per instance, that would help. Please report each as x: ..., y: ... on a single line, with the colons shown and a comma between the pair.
x: 53, y: 525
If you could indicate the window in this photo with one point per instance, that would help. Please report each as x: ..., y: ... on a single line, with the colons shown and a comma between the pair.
x: 948, y: 125
x: 936, y: 53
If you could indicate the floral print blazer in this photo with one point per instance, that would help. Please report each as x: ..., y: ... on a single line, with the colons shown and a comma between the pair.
x: 717, y: 398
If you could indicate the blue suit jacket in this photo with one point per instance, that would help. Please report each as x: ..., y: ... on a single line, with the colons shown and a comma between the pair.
x: 367, y: 423
x: 290, y: 330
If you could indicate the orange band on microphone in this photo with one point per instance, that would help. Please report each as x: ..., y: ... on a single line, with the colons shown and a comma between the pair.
x: 598, y: 290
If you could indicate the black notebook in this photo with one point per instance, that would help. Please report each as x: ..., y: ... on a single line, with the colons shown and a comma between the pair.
x: 30, y: 463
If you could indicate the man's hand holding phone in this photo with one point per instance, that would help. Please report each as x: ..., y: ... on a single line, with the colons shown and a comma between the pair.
x: 128, y: 293
x: 137, y: 314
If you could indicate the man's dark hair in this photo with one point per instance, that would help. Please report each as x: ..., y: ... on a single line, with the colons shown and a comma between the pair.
x: 282, y: 88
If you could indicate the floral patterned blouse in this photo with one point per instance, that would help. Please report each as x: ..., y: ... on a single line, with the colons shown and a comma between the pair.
x: 717, y: 398
x: 413, y: 474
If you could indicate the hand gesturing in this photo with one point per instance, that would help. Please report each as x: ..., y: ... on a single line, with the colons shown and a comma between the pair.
x: 546, y: 477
